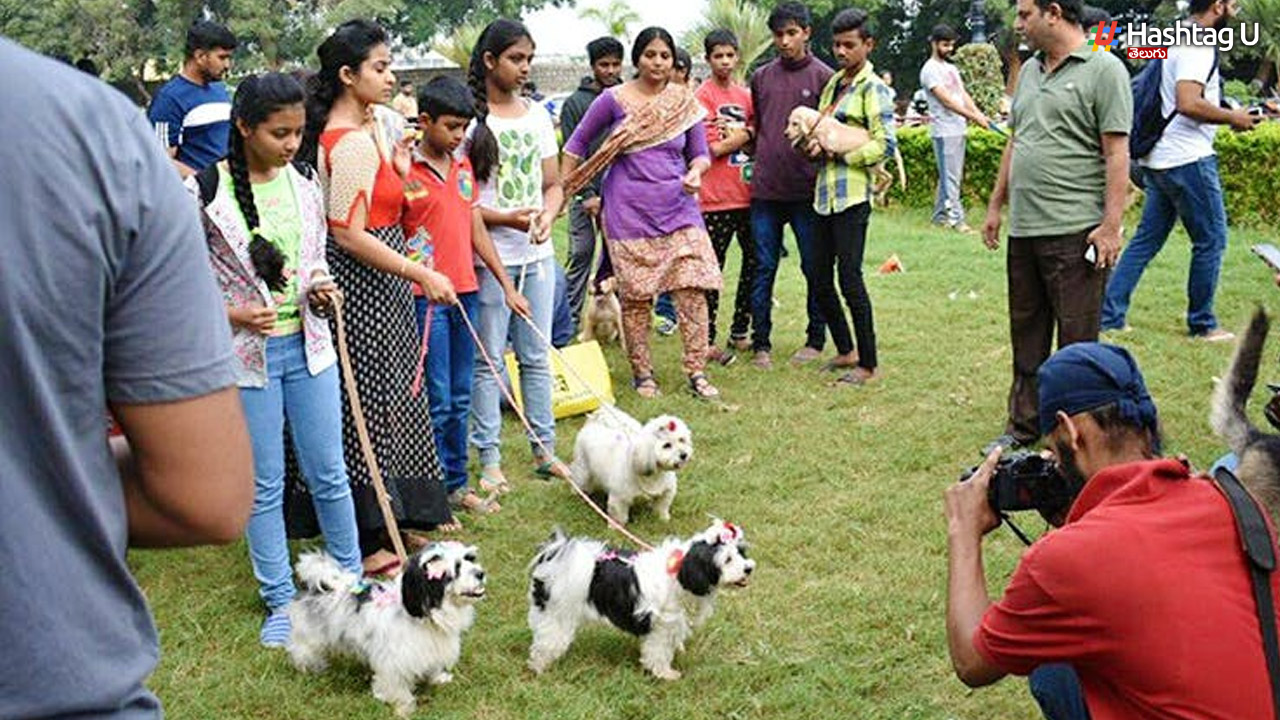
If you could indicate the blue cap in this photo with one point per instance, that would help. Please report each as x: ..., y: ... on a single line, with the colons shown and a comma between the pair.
x: 1088, y: 376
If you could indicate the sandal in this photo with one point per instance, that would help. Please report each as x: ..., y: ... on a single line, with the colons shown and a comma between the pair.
x: 856, y: 378
x: 646, y: 386
x: 378, y: 564
x: 839, y: 362
x: 701, y: 387
x: 547, y: 469
x: 493, y: 482
x: 466, y: 499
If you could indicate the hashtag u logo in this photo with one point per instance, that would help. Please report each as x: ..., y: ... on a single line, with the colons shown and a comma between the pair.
x: 1104, y: 35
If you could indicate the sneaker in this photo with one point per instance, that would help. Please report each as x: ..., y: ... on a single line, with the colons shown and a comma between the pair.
x: 276, y: 629
x: 1215, y: 335
x: 721, y: 356
x: 665, y: 326
x: 762, y: 359
x: 741, y: 343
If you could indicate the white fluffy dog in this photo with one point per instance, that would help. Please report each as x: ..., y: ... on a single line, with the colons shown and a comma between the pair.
x: 805, y: 123
x: 405, y: 630
x: 660, y: 595
x: 615, y: 453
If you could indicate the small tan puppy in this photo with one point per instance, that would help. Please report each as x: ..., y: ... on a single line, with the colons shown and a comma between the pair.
x: 602, y: 318
x: 833, y: 136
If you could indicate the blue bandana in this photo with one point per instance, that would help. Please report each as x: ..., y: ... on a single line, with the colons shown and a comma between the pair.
x: 1088, y: 376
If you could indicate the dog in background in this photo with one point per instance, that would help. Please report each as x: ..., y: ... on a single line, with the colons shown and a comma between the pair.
x: 660, y: 595
x: 405, y: 630
x: 631, y: 462
x: 602, y: 319
x: 1258, y: 452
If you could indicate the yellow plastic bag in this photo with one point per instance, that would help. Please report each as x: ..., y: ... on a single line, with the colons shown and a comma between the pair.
x: 569, y: 396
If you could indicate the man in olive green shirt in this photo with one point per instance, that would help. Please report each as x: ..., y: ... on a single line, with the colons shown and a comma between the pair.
x: 1065, y: 174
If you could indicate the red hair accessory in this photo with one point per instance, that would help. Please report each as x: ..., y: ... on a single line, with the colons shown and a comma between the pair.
x: 729, y: 533
x: 674, y: 561
x: 671, y: 426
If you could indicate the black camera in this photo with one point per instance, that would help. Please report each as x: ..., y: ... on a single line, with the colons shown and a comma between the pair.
x: 1026, y: 480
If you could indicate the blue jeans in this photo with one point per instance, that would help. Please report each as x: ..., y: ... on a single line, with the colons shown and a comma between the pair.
x: 1192, y: 193
x: 767, y: 219
x: 949, y: 153
x: 451, y: 362
x: 493, y: 323
x: 313, y: 407
x: 665, y: 307
x: 1056, y: 688
x: 564, y: 328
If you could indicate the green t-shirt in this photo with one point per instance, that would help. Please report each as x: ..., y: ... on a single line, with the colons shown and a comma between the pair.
x: 1057, y: 178
x: 278, y: 222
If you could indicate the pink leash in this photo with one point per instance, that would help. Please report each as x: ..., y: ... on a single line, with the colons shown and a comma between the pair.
x: 546, y: 452
x: 422, y: 350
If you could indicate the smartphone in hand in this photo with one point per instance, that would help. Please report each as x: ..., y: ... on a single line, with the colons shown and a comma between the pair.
x: 1269, y: 254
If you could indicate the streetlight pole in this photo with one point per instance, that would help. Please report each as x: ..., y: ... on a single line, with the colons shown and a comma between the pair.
x: 978, y: 21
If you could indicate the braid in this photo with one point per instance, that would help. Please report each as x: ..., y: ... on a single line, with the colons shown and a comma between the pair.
x: 320, y: 98
x: 267, y: 259
x: 484, y: 146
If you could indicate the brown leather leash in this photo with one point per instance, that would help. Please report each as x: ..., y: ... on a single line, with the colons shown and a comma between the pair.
x: 362, y: 431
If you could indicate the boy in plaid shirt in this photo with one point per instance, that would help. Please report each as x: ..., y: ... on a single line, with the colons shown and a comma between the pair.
x: 855, y: 95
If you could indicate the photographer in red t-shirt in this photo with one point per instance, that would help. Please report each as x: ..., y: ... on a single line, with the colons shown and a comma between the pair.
x: 1144, y: 590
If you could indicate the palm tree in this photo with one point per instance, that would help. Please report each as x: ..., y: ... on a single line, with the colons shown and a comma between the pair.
x: 457, y: 47
x: 744, y: 18
x: 616, y: 17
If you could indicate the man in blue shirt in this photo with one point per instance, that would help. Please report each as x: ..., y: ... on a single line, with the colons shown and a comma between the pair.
x: 192, y: 112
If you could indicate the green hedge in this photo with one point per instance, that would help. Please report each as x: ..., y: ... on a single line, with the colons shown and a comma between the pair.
x: 1249, y: 164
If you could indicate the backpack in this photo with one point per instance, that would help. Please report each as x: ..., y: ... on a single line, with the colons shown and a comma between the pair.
x: 1149, y: 120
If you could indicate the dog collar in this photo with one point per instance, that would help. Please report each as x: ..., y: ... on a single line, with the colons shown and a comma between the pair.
x: 674, y: 561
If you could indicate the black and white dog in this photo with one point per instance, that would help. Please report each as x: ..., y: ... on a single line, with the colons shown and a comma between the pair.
x: 405, y: 630
x: 660, y: 595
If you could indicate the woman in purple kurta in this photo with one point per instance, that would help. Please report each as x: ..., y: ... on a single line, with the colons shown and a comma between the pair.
x: 652, y: 222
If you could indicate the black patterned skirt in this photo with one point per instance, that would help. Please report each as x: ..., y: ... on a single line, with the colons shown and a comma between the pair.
x: 383, y: 340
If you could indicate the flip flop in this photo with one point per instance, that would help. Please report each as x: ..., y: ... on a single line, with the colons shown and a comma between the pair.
x: 390, y: 569
x: 544, y: 469
x: 496, y: 486
x: 478, y: 506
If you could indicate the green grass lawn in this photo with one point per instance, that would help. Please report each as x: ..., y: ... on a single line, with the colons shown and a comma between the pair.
x: 839, y: 491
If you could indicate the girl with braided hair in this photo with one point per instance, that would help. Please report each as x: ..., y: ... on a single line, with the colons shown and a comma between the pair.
x: 513, y: 151
x: 264, y: 222
x: 361, y: 172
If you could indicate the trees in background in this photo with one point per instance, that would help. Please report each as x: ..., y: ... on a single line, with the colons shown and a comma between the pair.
x: 133, y: 41
x: 747, y: 20
x: 616, y: 17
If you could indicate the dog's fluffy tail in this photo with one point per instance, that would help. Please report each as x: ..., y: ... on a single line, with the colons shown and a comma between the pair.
x: 550, y: 548
x: 319, y: 572
x: 1227, y: 411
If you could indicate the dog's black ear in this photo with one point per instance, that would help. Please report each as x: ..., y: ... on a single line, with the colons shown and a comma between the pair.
x: 422, y: 585
x: 699, y: 573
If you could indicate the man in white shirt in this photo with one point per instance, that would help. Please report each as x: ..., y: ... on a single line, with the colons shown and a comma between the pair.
x: 1181, y: 181
x: 950, y: 107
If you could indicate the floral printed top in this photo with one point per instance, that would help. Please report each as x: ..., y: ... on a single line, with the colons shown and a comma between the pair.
x: 228, y: 243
